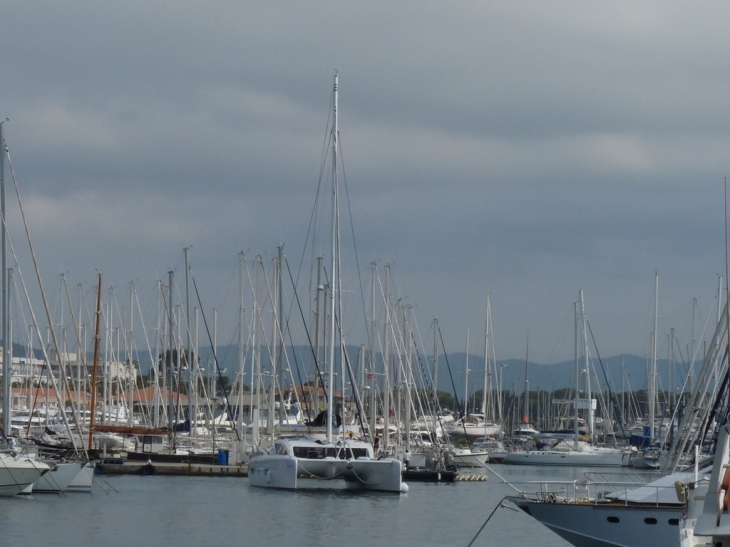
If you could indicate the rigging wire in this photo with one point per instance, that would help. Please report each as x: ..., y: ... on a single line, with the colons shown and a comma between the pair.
x: 612, y: 395
x: 451, y: 376
x: 502, y: 503
x: 309, y: 340
x: 215, y: 359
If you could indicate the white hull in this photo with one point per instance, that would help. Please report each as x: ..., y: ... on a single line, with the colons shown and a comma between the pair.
x: 302, y: 464
x: 468, y: 458
x: 84, y: 480
x: 474, y: 431
x: 59, y: 477
x: 559, y: 458
x: 275, y: 471
x: 18, y: 474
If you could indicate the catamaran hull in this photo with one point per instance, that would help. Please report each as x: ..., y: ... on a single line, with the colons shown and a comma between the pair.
x: 84, y: 480
x: 285, y: 472
x: 607, y: 525
x: 379, y: 475
x: 59, y: 477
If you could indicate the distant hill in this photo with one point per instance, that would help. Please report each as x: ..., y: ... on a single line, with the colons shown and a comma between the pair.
x: 622, y: 371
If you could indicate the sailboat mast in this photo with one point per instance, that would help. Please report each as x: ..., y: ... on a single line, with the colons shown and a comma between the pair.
x: 371, y: 366
x: 280, y: 330
x: 95, y: 367
x: 526, y: 415
x: 170, y: 363
x: 7, y: 366
x: 586, y: 364
x: 466, y: 377
x: 333, y: 272
x: 576, y: 397
x: 386, y: 364
x: 188, y: 352
x: 435, y: 359
x: 241, y: 354
x: 485, y: 389
x: 652, y: 372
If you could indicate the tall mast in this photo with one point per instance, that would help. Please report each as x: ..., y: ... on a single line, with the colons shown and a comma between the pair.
x: 466, y: 377
x: 589, y: 395
x: 241, y: 355
x: 576, y: 396
x: 386, y: 364
x: 95, y: 368
x: 189, y: 351
x: 170, y: 346
x: 7, y: 367
x: 526, y: 415
x: 371, y: 369
x: 485, y: 389
x: 280, y: 330
x: 435, y: 359
x: 652, y: 371
x: 333, y: 272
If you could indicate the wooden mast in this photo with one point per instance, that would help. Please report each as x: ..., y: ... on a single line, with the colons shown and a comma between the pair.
x: 95, y: 369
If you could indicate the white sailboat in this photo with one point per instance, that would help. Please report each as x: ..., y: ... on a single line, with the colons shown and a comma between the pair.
x: 686, y: 507
x: 18, y: 473
x: 576, y: 453
x: 301, y: 462
x: 22, y: 472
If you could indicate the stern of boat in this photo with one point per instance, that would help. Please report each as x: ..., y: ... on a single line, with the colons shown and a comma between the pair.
x: 384, y: 475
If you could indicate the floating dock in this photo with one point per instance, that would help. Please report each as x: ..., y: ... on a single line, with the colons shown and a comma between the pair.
x: 119, y: 466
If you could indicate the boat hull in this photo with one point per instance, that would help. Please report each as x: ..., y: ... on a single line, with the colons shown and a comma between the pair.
x: 474, y: 431
x: 291, y: 473
x: 557, y: 458
x: 59, y: 477
x: 466, y: 458
x: 607, y: 525
x: 84, y: 480
x: 18, y: 474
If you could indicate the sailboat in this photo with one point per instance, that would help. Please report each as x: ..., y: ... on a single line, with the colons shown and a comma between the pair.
x: 18, y: 471
x: 303, y: 462
x: 525, y: 431
x: 576, y: 452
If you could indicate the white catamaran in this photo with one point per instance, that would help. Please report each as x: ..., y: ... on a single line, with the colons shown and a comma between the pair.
x: 304, y: 461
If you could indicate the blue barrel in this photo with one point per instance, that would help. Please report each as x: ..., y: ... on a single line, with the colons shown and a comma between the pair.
x: 222, y: 457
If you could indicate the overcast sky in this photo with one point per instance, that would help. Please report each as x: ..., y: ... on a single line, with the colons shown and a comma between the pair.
x: 524, y: 150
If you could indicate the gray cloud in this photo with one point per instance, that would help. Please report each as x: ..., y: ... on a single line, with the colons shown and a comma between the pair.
x: 525, y: 150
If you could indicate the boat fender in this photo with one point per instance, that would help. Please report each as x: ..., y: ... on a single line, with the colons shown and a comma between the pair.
x: 724, y: 486
x: 681, y: 490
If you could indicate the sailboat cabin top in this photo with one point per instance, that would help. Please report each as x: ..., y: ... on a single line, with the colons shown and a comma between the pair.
x: 312, y: 450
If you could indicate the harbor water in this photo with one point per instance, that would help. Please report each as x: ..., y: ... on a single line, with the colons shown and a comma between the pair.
x: 125, y: 510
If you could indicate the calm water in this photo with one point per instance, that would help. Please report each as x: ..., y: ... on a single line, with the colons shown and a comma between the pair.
x: 179, y: 511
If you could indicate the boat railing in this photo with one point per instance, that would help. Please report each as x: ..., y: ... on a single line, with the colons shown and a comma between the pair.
x: 585, y: 491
